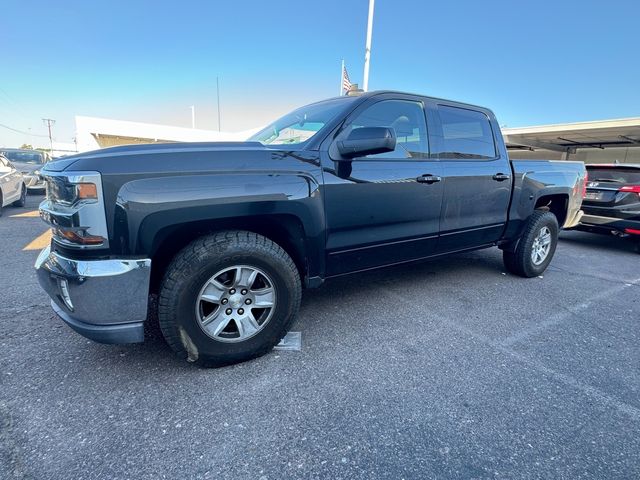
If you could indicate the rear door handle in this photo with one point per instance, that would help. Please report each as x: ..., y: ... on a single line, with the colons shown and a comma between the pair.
x: 428, y: 178
x: 501, y: 177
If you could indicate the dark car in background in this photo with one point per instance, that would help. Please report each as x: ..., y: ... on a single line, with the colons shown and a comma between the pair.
x: 29, y: 163
x: 612, y: 201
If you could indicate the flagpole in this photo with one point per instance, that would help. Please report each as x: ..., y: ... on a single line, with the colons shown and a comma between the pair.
x: 341, y: 78
x: 367, y: 51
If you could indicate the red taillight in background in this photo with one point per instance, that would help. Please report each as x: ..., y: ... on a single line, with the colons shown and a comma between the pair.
x: 584, y: 185
x: 632, y: 231
x: 630, y: 188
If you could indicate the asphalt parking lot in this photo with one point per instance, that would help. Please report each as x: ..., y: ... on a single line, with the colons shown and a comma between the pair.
x: 450, y: 368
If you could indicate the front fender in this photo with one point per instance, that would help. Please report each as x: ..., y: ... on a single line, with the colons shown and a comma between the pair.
x: 144, y: 207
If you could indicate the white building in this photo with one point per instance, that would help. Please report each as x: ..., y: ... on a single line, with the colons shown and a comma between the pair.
x: 93, y: 133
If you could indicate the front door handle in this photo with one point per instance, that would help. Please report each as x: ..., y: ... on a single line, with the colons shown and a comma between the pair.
x: 501, y: 177
x: 428, y: 178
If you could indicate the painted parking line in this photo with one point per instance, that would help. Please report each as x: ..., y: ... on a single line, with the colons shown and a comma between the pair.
x: 31, y: 214
x: 39, y: 242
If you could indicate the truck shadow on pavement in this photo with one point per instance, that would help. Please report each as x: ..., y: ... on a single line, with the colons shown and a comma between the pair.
x: 356, y: 289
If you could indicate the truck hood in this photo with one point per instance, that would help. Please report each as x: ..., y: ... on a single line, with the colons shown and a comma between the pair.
x: 77, y: 162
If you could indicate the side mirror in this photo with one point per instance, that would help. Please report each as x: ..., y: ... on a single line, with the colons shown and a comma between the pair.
x: 367, y: 141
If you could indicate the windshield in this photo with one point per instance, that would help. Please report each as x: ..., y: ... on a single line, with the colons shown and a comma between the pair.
x: 301, y: 124
x: 35, y: 158
x: 614, y: 174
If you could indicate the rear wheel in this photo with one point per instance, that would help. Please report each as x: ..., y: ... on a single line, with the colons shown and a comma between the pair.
x: 227, y: 298
x: 536, y: 246
x: 23, y: 197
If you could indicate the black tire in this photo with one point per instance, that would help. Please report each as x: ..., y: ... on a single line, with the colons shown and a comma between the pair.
x: 23, y: 198
x: 190, y: 270
x: 520, y: 261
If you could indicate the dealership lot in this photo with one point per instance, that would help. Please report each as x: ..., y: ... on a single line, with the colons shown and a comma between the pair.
x: 447, y: 368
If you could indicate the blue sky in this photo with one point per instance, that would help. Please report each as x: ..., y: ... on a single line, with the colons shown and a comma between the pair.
x: 531, y: 62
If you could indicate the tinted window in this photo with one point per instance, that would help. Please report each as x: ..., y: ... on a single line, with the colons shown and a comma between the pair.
x: 407, y: 120
x: 465, y: 134
x: 25, y: 156
x: 614, y: 174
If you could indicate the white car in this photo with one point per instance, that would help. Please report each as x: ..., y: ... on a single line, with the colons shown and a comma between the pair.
x: 12, y: 187
x: 29, y: 163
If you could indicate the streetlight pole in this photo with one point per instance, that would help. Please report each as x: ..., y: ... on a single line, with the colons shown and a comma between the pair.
x: 367, y: 51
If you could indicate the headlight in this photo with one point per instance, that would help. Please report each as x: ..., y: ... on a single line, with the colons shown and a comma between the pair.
x: 74, y: 208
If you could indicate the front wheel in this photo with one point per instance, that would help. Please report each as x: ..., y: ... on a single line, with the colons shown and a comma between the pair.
x: 536, y: 247
x: 227, y: 298
x: 23, y: 198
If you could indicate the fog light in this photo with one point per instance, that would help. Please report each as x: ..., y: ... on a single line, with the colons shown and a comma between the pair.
x: 63, y: 285
x: 79, y: 237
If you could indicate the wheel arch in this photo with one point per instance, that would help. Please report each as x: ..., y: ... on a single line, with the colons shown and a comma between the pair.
x: 284, y: 229
x: 557, y: 204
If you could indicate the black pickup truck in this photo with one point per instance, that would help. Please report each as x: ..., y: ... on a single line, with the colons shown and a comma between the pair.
x: 228, y: 234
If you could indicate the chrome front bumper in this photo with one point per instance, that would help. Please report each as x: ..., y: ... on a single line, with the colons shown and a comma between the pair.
x: 104, y: 300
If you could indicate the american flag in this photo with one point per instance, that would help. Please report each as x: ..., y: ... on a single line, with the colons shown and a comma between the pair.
x: 346, y: 83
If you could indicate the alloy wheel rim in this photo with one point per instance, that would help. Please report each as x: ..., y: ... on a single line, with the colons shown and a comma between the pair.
x: 541, y: 246
x: 236, y: 303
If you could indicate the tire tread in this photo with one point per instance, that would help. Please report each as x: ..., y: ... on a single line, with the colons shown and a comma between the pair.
x: 518, y: 262
x: 198, y: 249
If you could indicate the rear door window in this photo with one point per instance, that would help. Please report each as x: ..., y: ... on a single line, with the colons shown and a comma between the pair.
x: 465, y: 134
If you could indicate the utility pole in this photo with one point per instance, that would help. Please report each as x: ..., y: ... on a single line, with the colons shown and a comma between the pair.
x: 367, y: 51
x: 218, y: 94
x: 49, y: 122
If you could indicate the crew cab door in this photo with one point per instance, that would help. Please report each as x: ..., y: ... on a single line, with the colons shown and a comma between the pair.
x: 382, y: 209
x: 477, y: 177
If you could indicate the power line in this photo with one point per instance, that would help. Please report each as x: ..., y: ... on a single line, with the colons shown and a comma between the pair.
x: 20, y: 131
x: 7, y: 97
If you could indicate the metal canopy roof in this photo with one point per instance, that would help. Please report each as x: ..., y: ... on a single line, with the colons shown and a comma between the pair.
x: 567, y: 137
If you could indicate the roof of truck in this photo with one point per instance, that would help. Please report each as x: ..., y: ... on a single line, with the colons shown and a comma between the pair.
x: 437, y: 99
